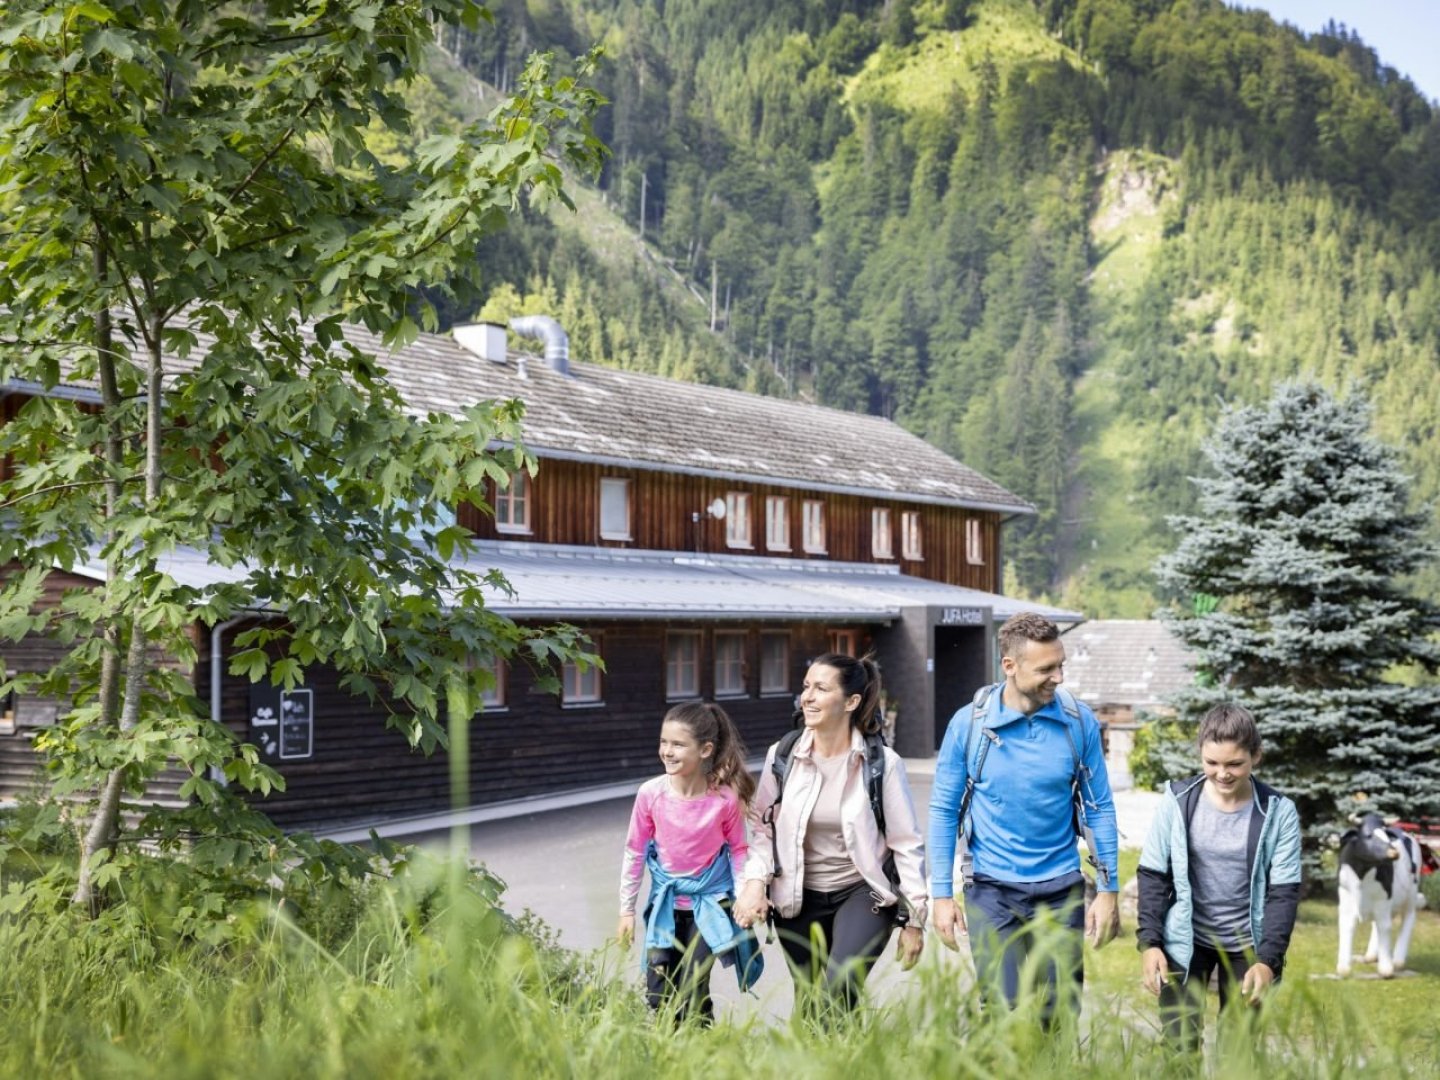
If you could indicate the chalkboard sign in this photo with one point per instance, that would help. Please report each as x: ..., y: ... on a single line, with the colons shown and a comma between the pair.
x: 297, y: 724
x: 265, y: 720
x: 282, y: 722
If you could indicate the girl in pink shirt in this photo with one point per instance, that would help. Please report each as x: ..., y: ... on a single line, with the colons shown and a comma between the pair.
x: 688, y: 827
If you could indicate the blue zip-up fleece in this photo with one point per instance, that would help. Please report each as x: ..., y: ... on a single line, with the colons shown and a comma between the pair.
x: 1167, y: 906
x: 729, y: 943
x: 1021, y: 824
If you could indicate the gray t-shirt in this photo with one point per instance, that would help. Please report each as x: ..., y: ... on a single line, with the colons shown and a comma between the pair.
x: 1219, y: 875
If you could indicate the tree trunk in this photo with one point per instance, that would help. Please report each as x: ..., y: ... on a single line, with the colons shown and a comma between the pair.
x: 105, y: 827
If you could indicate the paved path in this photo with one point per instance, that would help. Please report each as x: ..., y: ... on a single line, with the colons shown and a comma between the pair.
x: 565, y: 864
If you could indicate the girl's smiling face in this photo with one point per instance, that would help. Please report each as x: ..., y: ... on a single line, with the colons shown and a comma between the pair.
x: 680, y: 752
x: 1227, y: 768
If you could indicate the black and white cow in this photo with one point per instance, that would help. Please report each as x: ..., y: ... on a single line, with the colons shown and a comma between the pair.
x: 1379, y: 879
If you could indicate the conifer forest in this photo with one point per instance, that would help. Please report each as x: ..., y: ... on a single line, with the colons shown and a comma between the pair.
x: 1050, y: 236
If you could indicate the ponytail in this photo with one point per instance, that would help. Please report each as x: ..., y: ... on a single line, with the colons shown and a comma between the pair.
x: 858, y: 677
x: 708, y: 722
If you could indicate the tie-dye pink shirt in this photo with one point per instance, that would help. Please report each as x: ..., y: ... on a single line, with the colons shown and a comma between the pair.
x: 688, y: 834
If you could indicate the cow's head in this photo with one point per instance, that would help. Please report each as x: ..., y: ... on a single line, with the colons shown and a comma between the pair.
x: 1369, y: 845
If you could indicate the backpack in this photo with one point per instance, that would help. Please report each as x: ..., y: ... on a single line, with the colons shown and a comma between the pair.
x: 1081, y: 794
x: 874, y: 786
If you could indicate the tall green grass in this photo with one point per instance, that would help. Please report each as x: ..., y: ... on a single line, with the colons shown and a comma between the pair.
x: 433, y: 979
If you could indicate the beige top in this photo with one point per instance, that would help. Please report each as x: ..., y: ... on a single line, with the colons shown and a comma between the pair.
x: 828, y: 865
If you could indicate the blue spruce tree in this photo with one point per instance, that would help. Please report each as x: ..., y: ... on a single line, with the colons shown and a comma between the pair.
x: 1290, y: 582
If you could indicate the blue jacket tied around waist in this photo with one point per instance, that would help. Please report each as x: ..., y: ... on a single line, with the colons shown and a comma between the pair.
x: 733, y: 946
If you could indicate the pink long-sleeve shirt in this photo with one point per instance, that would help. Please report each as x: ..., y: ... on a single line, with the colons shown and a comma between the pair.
x: 688, y: 834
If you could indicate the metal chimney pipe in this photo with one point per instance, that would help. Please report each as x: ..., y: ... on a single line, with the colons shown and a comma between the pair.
x: 557, y: 342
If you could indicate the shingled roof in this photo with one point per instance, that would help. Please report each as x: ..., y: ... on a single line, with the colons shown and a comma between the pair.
x: 626, y: 418
x: 645, y: 421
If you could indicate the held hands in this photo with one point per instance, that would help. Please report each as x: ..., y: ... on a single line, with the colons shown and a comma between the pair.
x: 625, y: 932
x: 909, y: 947
x: 1102, y: 922
x: 752, y: 905
x: 948, y: 917
x: 1256, y: 982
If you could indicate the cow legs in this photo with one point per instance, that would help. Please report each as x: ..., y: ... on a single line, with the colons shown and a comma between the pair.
x: 1373, y: 949
x: 1384, y: 962
x: 1349, y: 917
x: 1402, y: 940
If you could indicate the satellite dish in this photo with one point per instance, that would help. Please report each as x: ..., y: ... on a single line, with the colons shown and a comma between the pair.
x: 716, y: 509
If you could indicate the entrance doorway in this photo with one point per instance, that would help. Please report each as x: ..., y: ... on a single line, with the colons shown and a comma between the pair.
x: 961, y: 668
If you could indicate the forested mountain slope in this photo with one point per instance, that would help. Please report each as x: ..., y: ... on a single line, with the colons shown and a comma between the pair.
x: 1049, y: 236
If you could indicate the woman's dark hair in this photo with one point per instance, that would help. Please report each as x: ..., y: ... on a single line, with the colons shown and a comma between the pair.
x: 1233, y: 724
x: 708, y: 722
x: 858, y: 677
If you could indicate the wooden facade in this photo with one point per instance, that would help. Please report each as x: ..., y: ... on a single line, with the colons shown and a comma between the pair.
x: 532, y: 744
x: 668, y: 513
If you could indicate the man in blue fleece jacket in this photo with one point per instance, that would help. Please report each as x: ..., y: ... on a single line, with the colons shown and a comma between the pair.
x: 1021, y: 748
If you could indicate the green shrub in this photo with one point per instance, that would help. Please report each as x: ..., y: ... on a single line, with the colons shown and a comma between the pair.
x: 1164, y: 750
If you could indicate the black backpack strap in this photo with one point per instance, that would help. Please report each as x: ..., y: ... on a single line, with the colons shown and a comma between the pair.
x: 978, y: 712
x: 780, y: 767
x: 875, y: 778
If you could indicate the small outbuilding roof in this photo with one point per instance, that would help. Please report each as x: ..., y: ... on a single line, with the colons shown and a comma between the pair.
x: 1134, y: 662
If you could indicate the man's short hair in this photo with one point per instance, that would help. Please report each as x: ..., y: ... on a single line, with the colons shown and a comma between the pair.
x: 1233, y: 724
x: 1026, y: 626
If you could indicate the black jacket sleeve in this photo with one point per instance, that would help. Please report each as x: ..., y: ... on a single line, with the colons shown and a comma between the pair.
x: 1281, y: 902
x: 1157, y: 893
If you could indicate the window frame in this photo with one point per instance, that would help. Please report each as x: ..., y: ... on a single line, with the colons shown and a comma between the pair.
x: 769, y: 689
x: 9, y: 708
x: 845, y: 641
x: 737, y: 520
x: 777, y: 512
x: 912, y: 536
x: 496, y: 698
x: 622, y: 484
x: 519, y: 490
x: 738, y: 690
x: 882, y: 535
x: 974, y: 542
x: 673, y: 692
x: 571, y: 670
x: 807, y: 539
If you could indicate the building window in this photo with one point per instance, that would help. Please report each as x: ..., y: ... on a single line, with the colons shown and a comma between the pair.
x: 910, y: 545
x: 512, y: 504
x: 881, y: 543
x: 974, y: 542
x: 729, y: 664
x: 614, y: 508
x: 814, y: 537
x: 581, y: 686
x: 775, y: 662
x: 777, y: 523
x: 737, y: 519
x: 492, y: 697
x: 682, y: 664
x: 844, y: 642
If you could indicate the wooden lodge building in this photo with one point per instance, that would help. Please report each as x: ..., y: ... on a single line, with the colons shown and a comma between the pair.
x: 710, y: 542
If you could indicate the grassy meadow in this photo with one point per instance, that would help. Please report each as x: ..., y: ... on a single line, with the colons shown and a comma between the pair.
x: 425, y: 976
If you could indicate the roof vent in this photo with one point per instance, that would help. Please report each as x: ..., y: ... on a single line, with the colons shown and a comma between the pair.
x: 557, y: 342
x: 485, y: 339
